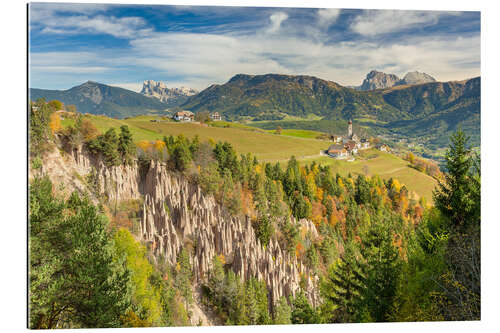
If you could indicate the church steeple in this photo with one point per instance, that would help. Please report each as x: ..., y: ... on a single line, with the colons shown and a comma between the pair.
x: 349, y: 129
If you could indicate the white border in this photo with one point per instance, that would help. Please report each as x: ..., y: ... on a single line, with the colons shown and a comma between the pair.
x: 13, y: 161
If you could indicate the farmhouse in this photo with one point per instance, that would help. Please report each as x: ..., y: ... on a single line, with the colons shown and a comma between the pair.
x: 351, y: 146
x: 215, y: 116
x: 384, y: 147
x: 184, y: 116
x: 364, y: 144
x: 337, y: 151
x: 336, y: 138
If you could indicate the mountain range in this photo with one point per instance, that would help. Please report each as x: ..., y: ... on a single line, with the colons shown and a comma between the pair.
x: 432, y: 110
x: 411, y: 106
x: 97, y: 98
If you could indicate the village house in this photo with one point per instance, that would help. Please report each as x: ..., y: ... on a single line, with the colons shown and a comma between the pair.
x: 215, y: 116
x: 364, y: 144
x: 384, y: 147
x: 351, y: 146
x: 337, y: 151
x: 336, y: 138
x: 184, y: 116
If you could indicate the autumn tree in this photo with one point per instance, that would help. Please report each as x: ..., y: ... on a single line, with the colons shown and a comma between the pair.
x: 55, y: 123
x: 55, y: 105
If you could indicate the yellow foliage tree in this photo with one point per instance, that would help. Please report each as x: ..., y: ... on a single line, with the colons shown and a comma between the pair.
x: 258, y: 169
x: 144, y: 145
x: 145, y: 295
x: 55, y: 122
x: 159, y: 145
x: 318, y: 213
x: 396, y: 185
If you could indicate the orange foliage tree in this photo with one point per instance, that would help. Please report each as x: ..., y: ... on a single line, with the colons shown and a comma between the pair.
x: 55, y: 123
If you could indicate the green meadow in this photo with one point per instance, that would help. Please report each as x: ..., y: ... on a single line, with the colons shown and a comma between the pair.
x: 270, y: 147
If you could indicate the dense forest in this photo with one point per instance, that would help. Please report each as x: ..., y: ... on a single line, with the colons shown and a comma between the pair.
x: 381, y: 255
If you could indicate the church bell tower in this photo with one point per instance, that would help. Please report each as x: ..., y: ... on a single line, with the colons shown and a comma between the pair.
x: 349, y: 129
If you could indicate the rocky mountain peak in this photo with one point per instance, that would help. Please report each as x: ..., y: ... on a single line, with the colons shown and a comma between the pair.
x: 160, y: 91
x: 417, y: 78
x: 378, y: 80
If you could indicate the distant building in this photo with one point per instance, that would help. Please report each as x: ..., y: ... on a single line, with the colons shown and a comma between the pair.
x: 364, y: 144
x: 184, y: 116
x: 337, y: 151
x: 215, y: 116
x: 336, y: 138
x: 384, y: 147
x: 351, y: 146
x: 347, y: 145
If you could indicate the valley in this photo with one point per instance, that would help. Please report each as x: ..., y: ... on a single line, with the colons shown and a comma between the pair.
x: 270, y: 147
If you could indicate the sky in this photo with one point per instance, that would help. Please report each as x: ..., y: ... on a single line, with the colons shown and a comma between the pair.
x: 197, y: 46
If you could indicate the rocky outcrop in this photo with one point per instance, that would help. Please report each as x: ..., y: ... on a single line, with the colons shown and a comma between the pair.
x: 177, y: 214
x: 160, y: 91
x: 416, y: 78
x: 378, y: 80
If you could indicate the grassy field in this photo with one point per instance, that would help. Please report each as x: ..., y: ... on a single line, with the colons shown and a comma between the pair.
x: 266, y: 146
x: 271, y: 147
x: 386, y: 166
x: 306, y: 134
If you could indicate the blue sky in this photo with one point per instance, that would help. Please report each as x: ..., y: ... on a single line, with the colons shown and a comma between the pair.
x: 124, y: 45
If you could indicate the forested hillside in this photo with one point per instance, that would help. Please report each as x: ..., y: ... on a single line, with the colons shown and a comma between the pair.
x: 96, y: 98
x: 369, y: 250
x: 432, y: 110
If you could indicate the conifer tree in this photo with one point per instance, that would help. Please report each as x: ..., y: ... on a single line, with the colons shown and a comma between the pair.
x: 282, y: 313
x: 344, y: 288
x: 126, y: 147
x: 454, y: 196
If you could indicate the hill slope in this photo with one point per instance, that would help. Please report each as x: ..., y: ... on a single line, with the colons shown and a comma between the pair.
x: 272, y: 96
x: 410, y: 110
x: 96, y: 98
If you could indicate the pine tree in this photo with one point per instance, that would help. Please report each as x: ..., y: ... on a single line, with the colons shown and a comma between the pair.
x: 383, y: 272
x: 183, y: 277
x: 282, y: 313
x: 126, y: 147
x: 76, y: 278
x: 454, y: 196
x: 302, y: 311
x: 344, y: 288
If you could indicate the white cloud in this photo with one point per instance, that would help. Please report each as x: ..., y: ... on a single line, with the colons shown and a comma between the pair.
x: 377, y: 22
x: 65, y: 18
x: 124, y: 27
x: 40, y: 13
x: 205, y: 59
x: 276, y: 20
x: 328, y: 16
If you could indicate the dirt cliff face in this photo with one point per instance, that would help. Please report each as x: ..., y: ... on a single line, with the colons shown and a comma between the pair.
x: 177, y: 214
